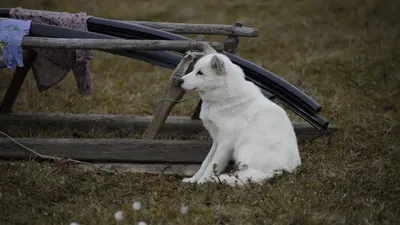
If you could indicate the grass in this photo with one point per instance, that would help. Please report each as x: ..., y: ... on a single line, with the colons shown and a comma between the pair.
x: 345, y: 54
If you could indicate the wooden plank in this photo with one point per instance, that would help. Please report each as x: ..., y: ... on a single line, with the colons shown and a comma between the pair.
x: 154, y: 168
x: 109, y: 150
x: 195, y: 59
x: 2, y: 64
x: 190, y: 28
x: 172, y: 94
x: 17, y: 81
x: 117, y: 44
x: 232, y: 41
x: 102, y: 122
x: 127, y: 123
x: 159, y: 168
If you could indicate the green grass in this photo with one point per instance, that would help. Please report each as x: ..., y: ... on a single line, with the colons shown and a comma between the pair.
x: 345, y: 54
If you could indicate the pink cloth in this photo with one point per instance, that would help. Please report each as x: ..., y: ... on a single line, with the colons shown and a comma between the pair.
x: 53, y: 65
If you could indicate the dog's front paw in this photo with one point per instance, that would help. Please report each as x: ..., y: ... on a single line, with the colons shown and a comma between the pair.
x: 189, y: 180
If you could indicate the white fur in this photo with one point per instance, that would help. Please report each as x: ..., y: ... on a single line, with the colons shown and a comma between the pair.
x: 245, y: 126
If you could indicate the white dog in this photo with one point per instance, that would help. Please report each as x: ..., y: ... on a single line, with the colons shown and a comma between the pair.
x: 245, y: 126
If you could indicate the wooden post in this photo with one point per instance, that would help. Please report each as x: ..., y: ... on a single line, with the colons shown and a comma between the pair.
x: 2, y: 63
x: 172, y: 94
x: 198, y: 38
x: 230, y: 45
x: 17, y: 81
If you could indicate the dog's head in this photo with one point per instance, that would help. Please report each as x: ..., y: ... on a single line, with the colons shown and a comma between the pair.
x: 208, y: 73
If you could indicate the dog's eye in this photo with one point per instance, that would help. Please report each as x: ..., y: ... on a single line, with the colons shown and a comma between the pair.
x: 199, y: 73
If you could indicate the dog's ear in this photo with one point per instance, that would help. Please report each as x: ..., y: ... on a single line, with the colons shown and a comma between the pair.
x: 218, y: 65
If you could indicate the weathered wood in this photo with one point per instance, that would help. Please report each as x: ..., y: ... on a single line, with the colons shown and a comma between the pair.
x: 172, y: 94
x: 154, y: 168
x: 187, y: 28
x: 109, y: 150
x: 2, y: 64
x: 232, y: 41
x: 158, y: 168
x: 105, y: 123
x: 127, y: 123
x: 17, y: 81
x: 116, y: 44
x: 194, y: 60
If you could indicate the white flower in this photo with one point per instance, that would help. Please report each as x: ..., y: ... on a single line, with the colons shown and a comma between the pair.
x: 118, y: 216
x: 184, y: 210
x: 137, y: 206
x: 73, y: 223
x: 142, y: 223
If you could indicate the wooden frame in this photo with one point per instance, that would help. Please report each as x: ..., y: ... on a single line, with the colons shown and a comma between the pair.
x: 110, y: 150
x: 148, y: 149
x: 173, y: 93
x: 177, y: 125
x: 2, y: 64
x: 117, y: 44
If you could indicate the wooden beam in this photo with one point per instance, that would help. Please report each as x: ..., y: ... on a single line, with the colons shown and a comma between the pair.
x: 2, y: 63
x: 17, y: 81
x: 232, y: 41
x: 172, y: 94
x: 117, y: 44
x: 188, y: 28
x: 128, y: 123
x: 154, y: 168
x: 101, y: 122
x: 109, y: 150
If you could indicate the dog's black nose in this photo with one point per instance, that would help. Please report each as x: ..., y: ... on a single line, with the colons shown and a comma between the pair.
x: 180, y: 81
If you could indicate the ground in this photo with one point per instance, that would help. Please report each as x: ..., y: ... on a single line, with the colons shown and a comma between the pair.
x: 345, y: 54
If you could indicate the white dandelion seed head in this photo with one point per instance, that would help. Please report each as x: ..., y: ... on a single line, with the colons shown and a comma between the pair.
x: 136, y: 206
x: 142, y: 223
x: 118, y: 216
x: 184, y: 210
x: 74, y: 223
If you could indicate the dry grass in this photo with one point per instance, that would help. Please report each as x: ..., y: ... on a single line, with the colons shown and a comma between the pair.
x: 345, y: 54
